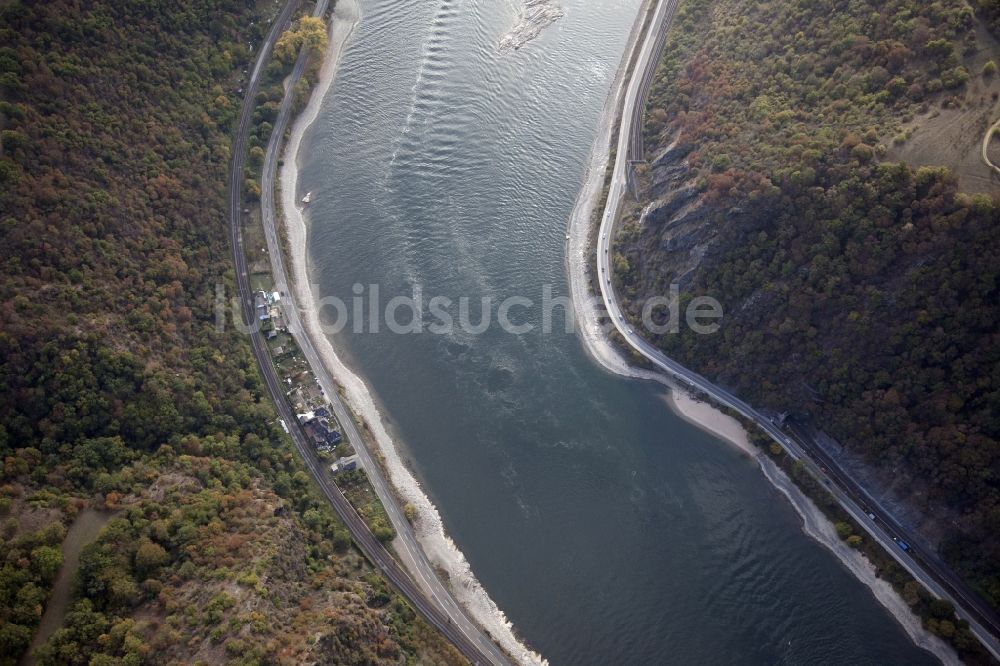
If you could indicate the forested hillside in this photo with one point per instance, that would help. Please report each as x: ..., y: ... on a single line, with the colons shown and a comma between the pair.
x: 858, y: 289
x: 118, y: 392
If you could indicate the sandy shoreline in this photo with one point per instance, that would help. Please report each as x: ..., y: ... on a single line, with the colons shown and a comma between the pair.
x: 814, y: 522
x: 589, y: 311
x: 711, y: 420
x: 428, y: 527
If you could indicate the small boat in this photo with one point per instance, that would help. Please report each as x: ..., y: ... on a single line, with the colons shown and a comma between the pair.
x: 307, y: 198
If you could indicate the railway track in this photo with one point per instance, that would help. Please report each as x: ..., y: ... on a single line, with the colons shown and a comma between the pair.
x: 373, y: 549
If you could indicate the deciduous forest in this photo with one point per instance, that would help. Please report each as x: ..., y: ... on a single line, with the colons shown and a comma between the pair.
x: 118, y: 391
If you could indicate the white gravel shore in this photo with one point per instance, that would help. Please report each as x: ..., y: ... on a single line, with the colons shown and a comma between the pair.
x: 429, y: 529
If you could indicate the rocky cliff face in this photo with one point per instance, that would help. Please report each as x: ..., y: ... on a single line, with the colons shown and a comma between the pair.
x: 676, y: 224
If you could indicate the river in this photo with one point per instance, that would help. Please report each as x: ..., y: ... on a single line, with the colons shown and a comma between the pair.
x: 607, y: 529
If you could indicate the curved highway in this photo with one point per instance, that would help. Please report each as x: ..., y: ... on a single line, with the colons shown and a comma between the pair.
x: 922, y: 564
x: 437, y: 605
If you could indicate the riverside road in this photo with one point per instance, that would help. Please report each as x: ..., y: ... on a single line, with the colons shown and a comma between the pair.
x: 440, y: 609
x: 922, y: 564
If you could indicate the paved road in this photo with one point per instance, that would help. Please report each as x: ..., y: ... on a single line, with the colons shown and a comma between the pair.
x: 439, y: 607
x: 919, y: 561
x: 658, y: 33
